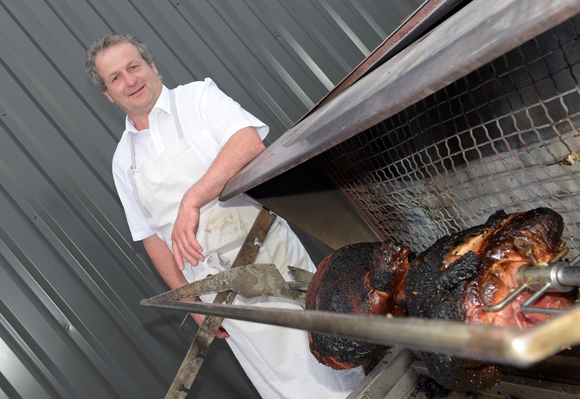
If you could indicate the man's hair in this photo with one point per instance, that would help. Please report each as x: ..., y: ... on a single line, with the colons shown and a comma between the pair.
x: 110, y: 40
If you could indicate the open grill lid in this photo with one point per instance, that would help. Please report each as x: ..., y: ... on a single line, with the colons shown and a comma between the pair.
x: 456, y: 126
x: 475, y: 35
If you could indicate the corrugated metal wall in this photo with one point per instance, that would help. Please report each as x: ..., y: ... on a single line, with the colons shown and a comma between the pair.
x: 70, y: 278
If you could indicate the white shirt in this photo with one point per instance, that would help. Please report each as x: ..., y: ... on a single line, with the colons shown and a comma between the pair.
x: 208, y: 117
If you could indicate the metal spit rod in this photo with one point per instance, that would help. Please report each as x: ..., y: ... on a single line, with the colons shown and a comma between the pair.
x: 569, y: 276
x: 539, y: 278
x: 496, y: 344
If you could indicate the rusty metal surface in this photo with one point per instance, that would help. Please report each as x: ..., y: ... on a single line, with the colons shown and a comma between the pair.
x: 248, y: 281
x: 521, y: 387
x: 299, y: 274
x: 410, y: 29
x: 387, y: 376
x: 478, y: 33
x: 563, y: 367
x: 206, y: 333
x: 397, y: 375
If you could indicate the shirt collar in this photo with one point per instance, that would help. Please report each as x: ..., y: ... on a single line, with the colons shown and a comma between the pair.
x: 162, y: 104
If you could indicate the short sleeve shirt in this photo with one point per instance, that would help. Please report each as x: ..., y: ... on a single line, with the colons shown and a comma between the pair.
x: 208, y: 117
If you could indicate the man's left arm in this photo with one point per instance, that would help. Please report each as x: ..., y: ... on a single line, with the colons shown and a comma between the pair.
x: 238, y: 151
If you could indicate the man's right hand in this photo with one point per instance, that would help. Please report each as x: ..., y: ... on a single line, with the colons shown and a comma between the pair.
x: 183, y: 238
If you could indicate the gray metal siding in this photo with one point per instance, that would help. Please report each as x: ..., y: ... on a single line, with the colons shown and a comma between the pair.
x: 70, y: 277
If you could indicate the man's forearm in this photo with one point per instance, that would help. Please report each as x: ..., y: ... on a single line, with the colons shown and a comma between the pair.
x: 167, y: 267
x: 240, y: 150
x: 164, y: 262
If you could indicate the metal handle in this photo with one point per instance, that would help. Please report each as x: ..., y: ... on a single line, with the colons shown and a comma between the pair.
x: 496, y: 344
x: 569, y: 276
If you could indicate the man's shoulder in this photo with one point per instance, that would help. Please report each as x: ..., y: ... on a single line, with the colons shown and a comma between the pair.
x: 195, y: 88
x: 195, y: 85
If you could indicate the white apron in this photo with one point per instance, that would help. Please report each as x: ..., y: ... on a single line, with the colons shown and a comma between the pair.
x: 277, y: 360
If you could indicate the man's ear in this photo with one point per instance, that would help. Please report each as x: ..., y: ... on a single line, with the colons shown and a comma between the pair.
x: 108, y: 96
x: 153, y: 67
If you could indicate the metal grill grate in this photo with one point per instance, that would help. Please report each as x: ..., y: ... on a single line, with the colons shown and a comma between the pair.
x: 503, y: 137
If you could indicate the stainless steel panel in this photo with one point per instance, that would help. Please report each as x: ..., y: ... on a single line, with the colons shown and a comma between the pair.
x: 306, y: 197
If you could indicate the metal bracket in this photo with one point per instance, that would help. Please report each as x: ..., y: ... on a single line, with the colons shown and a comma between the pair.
x: 539, y: 277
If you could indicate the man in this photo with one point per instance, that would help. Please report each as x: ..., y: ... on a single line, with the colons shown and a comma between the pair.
x: 179, y: 149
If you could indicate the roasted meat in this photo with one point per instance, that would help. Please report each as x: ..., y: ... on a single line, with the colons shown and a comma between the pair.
x: 366, y: 278
x: 461, y: 274
x: 458, y: 278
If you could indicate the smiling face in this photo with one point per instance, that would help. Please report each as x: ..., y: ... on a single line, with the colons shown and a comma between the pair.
x: 131, y: 83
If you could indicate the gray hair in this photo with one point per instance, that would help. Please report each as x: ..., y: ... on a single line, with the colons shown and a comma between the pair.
x: 110, y: 40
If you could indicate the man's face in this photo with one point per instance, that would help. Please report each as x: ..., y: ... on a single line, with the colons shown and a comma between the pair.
x: 131, y: 83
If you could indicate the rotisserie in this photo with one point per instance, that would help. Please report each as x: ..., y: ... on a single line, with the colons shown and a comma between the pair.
x: 366, y: 278
x: 461, y: 277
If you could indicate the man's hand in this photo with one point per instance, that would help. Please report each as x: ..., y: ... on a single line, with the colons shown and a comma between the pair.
x: 198, y: 318
x: 185, y: 243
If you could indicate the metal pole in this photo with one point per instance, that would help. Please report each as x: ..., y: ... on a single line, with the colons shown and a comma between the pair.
x: 496, y: 344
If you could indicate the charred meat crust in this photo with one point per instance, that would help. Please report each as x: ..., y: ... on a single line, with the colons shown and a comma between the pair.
x: 365, y: 278
x: 439, y: 290
x: 341, y: 272
x: 451, y: 280
x: 340, y: 353
x: 435, y: 292
x: 389, y: 264
x: 423, y: 297
x: 463, y: 269
x: 543, y: 227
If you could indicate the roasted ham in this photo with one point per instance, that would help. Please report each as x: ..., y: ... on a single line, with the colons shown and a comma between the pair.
x: 458, y: 278
x: 365, y: 278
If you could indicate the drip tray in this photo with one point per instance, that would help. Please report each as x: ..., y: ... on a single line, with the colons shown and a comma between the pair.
x: 397, y: 375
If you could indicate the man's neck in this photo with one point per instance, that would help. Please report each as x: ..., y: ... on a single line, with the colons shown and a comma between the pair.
x: 141, y: 122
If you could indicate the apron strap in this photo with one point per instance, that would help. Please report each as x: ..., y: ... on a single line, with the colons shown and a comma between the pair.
x: 216, y: 259
x: 133, y: 166
x: 176, y: 121
x: 131, y: 175
x: 175, y: 115
x: 131, y: 172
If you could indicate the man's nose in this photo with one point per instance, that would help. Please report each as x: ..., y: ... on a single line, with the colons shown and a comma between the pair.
x: 130, y: 79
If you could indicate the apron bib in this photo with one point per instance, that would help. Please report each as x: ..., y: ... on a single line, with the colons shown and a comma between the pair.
x: 160, y: 186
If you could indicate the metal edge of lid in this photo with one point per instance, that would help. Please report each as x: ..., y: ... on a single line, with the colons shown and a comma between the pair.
x: 420, y: 21
x: 475, y: 35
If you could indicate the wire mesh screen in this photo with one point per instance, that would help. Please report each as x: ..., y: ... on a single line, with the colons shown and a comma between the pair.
x: 504, y: 137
